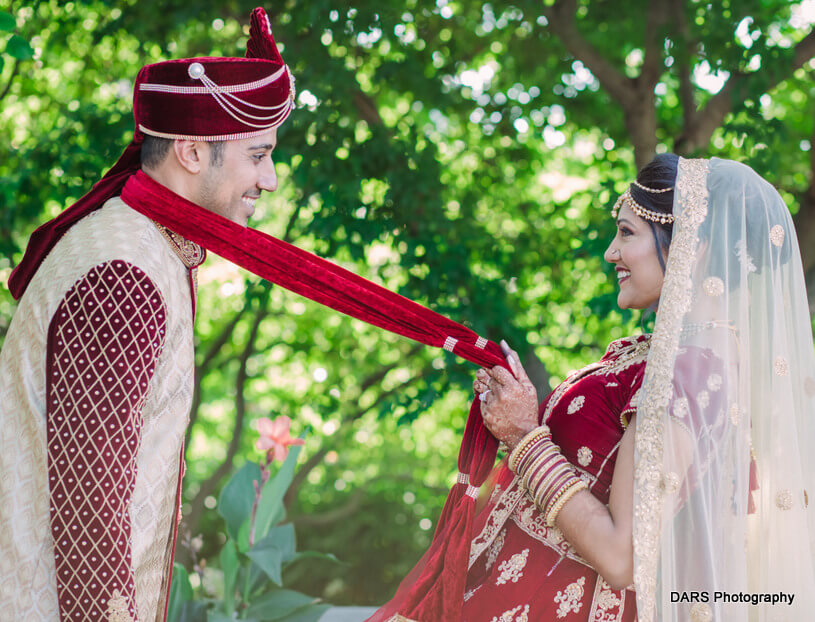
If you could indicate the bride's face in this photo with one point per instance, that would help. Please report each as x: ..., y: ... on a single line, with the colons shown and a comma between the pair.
x: 634, y: 255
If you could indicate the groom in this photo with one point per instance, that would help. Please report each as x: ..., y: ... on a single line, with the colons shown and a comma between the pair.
x: 96, y: 373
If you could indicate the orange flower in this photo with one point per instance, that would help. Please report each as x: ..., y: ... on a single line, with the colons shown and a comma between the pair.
x: 275, y: 438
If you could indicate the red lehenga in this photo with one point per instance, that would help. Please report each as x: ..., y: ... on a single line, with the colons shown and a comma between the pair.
x: 521, y: 570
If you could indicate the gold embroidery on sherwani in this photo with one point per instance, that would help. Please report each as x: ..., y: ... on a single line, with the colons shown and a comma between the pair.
x: 118, y: 610
x: 570, y: 599
x: 512, y: 569
x: 188, y: 252
x: 509, y: 616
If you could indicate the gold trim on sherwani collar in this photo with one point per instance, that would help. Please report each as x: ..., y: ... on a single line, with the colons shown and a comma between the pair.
x: 191, y: 254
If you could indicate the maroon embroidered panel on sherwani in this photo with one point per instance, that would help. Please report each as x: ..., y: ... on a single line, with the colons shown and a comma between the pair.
x: 103, y: 344
x: 520, y: 569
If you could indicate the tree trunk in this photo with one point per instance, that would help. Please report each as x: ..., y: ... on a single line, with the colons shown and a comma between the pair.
x: 641, y: 121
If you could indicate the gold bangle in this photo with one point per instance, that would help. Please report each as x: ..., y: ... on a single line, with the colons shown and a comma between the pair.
x: 527, y: 443
x: 544, y: 472
x: 554, y: 466
x: 538, y: 467
x: 558, y: 487
x: 524, y: 446
x: 552, y: 485
x: 527, y: 466
x: 572, y: 490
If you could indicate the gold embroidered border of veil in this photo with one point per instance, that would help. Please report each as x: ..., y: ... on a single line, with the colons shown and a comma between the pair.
x: 691, y: 204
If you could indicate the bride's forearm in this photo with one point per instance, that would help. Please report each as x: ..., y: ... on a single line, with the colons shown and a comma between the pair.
x: 601, y: 534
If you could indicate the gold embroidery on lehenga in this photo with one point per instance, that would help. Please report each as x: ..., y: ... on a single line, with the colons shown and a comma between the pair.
x: 495, y: 522
x: 691, y: 200
x: 570, y: 599
x: 471, y: 593
x: 509, y: 616
x: 584, y: 456
x: 512, y: 569
x: 606, y: 604
x: 495, y: 548
x: 118, y: 609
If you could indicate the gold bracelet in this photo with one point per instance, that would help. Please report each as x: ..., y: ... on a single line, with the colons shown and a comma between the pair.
x: 553, y: 484
x: 538, y: 466
x: 556, y: 478
x: 570, y: 492
x: 545, y: 472
x: 527, y: 466
x: 559, y: 485
x: 525, y: 445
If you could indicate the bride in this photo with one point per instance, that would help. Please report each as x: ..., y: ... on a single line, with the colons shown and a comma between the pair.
x: 668, y: 481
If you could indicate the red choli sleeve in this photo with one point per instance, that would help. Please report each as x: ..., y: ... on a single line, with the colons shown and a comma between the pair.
x: 632, y: 390
x: 103, y: 343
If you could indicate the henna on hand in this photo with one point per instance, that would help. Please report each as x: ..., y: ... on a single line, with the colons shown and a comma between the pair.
x: 509, y: 404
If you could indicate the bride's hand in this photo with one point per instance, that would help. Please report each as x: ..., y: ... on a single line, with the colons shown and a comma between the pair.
x: 509, y: 405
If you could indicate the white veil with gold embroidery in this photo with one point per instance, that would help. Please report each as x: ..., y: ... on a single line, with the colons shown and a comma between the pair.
x: 725, y: 437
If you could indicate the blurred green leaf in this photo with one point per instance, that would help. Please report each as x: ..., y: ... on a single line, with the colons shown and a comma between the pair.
x: 229, y: 566
x: 271, y: 509
x: 180, y: 593
x: 193, y: 612
x: 269, y: 558
x: 236, y: 498
x: 279, y: 604
x: 311, y: 613
x: 7, y: 21
x: 19, y: 48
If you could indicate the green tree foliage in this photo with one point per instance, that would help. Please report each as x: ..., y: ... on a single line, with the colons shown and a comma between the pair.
x: 464, y: 154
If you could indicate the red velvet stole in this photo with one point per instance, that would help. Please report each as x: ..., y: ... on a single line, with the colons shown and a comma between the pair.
x: 438, y: 590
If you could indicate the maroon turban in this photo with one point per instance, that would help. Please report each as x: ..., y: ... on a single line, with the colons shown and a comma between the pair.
x: 192, y: 99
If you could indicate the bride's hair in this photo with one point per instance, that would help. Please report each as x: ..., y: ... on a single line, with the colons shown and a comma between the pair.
x: 659, y: 173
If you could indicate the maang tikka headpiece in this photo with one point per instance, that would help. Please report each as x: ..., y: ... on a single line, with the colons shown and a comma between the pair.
x: 639, y: 210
